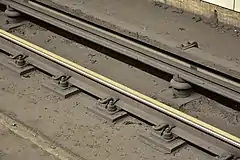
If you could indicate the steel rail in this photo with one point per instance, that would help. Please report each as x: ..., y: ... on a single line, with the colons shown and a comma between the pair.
x: 164, y: 62
x: 216, y: 132
x: 129, y: 42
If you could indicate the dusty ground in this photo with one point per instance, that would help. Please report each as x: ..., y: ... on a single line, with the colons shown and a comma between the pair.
x: 154, y: 24
x: 14, y: 147
x: 204, y: 108
x: 81, y: 131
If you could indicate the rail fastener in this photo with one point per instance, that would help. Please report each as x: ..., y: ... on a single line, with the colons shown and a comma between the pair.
x: 61, y: 86
x: 18, y: 64
x: 13, y: 18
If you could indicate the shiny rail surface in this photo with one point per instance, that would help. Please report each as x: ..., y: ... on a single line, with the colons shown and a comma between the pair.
x: 161, y: 107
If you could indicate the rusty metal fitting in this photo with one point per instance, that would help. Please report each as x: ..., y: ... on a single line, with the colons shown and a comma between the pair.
x: 181, y: 88
x: 19, y: 60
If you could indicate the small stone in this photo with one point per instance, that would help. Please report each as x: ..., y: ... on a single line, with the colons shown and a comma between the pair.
x: 93, y: 61
x: 197, y: 19
x: 14, y: 124
x: 180, y: 11
x: 181, y: 29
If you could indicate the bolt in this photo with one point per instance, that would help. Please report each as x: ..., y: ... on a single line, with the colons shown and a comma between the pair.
x: 111, y: 107
x: 63, y: 82
x: 109, y: 104
x: 181, y: 89
x: 167, y: 134
x: 20, y: 61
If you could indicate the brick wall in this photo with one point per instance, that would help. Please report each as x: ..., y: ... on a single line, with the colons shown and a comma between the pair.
x: 206, y: 9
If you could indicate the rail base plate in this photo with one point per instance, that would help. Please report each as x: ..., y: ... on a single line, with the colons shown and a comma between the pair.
x: 102, y: 113
x: 20, y: 70
x: 167, y: 96
x: 7, y: 26
x: 161, y: 145
x: 64, y: 93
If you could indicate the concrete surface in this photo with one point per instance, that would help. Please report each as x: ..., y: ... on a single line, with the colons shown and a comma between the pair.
x: 157, y: 25
x: 69, y: 123
x: 82, y: 132
x: 13, y: 147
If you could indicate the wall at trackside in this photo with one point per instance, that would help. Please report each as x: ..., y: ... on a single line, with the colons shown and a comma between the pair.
x: 228, y: 10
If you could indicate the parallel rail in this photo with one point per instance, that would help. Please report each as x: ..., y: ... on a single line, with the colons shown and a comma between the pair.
x: 207, y: 78
x: 189, y: 128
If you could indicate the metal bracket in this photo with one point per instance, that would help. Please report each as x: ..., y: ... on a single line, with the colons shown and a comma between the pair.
x: 107, y: 108
x: 18, y: 64
x: 180, y: 92
x: 162, y: 139
x: 109, y: 104
x: 188, y: 45
x: 61, y: 86
x: 164, y: 131
x: 167, y: 97
x: 19, y: 60
x: 13, y: 18
x: 62, y: 81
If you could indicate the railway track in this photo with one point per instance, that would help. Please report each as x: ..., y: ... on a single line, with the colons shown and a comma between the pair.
x: 74, y: 78
x: 222, y: 80
x: 212, y: 139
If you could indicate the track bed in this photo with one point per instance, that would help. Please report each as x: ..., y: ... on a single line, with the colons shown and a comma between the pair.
x: 54, y: 127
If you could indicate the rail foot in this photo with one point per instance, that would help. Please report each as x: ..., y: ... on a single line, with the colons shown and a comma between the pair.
x: 163, y: 139
x: 107, y: 109
x: 61, y: 86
